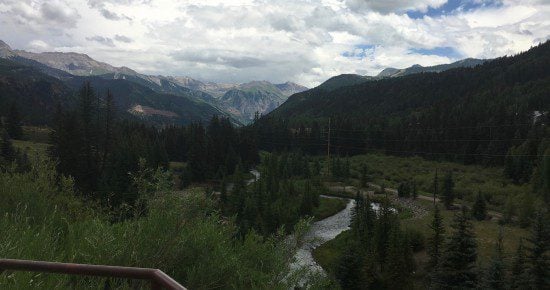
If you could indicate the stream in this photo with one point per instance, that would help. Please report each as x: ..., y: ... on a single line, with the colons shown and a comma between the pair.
x: 321, y: 232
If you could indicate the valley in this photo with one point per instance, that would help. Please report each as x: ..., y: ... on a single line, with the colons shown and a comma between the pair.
x: 426, y: 177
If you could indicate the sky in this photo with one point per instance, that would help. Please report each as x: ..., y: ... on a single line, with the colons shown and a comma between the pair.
x: 304, y: 41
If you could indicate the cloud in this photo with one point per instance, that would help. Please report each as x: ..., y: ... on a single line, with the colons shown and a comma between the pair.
x: 113, y: 16
x: 103, y: 40
x: 278, y: 40
x: 123, y: 38
x: 102, y: 7
x: 53, y: 13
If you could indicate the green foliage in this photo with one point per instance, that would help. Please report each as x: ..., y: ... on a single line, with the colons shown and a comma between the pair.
x: 457, y: 266
x: 519, y: 278
x: 42, y: 220
x: 538, y: 253
x: 278, y: 199
x: 495, y: 275
x: 479, y: 209
x: 378, y: 253
x: 13, y: 122
x: 436, y: 240
x: 430, y: 114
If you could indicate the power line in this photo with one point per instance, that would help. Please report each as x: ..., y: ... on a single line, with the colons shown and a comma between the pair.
x: 411, y: 152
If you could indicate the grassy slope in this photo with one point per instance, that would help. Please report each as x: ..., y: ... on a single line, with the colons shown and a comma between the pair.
x: 329, y: 207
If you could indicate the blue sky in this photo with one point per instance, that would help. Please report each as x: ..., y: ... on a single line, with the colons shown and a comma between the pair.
x: 455, y: 6
x: 304, y: 41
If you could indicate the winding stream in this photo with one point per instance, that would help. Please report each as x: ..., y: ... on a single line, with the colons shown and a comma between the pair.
x: 321, y: 232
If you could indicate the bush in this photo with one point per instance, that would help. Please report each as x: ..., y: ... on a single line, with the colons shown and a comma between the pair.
x: 182, y: 234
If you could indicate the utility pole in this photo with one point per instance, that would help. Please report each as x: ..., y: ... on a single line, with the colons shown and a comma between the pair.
x: 328, y: 150
x: 435, y: 185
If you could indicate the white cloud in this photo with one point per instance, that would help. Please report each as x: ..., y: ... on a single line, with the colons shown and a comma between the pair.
x: 277, y: 40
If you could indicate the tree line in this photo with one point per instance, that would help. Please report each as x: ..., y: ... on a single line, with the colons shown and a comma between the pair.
x: 95, y: 145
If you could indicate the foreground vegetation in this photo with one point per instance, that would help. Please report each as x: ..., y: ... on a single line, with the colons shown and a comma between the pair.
x: 182, y: 234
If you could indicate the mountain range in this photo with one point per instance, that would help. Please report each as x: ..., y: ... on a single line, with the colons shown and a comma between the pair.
x: 466, y: 90
x: 239, y: 101
x: 345, y: 80
x: 181, y: 99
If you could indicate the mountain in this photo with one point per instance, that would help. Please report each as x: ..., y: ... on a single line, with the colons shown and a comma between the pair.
x: 394, y: 72
x: 240, y: 100
x: 149, y: 104
x: 473, y: 114
x: 343, y: 80
x: 245, y: 100
x: 422, y: 91
x: 38, y: 94
x: 289, y: 88
x: 35, y: 93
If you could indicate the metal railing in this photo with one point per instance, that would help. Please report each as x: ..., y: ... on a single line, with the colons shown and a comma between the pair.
x: 158, y: 279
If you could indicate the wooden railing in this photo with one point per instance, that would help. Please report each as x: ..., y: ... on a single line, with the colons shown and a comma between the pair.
x: 157, y: 278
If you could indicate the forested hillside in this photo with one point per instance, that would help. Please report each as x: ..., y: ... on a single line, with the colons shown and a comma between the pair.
x: 492, y: 114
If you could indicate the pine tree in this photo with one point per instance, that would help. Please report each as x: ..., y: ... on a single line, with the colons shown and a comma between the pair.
x: 13, y: 122
x: 400, y: 264
x: 456, y: 269
x: 479, y: 209
x: 538, y: 256
x: 495, y: 274
x: 348, y: 270
x: 437, y: 239
x: 519, y: 277
x: 448, y: 190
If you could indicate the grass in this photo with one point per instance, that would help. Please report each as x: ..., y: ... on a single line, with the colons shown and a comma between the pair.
x: 31, y: 147
x: 328, y: 254
x: 486, y: 232
x: 36, y: 134
x: 329, y: 207
x: 469, y: 179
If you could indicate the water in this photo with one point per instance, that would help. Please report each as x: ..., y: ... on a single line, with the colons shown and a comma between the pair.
x: 320, y: 233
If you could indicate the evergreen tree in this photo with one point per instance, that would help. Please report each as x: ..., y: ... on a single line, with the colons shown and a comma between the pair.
x: 479, y: 209
x: 519, y: 278
x: 437, y: 239
x: 448, y: 190
x: 495, y: 274
x: 456, y: 269
x: 538, y: 256
x: 400, y: 264
x: 403, y: 189
x: 348, y: 269
x: 13, y: 122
